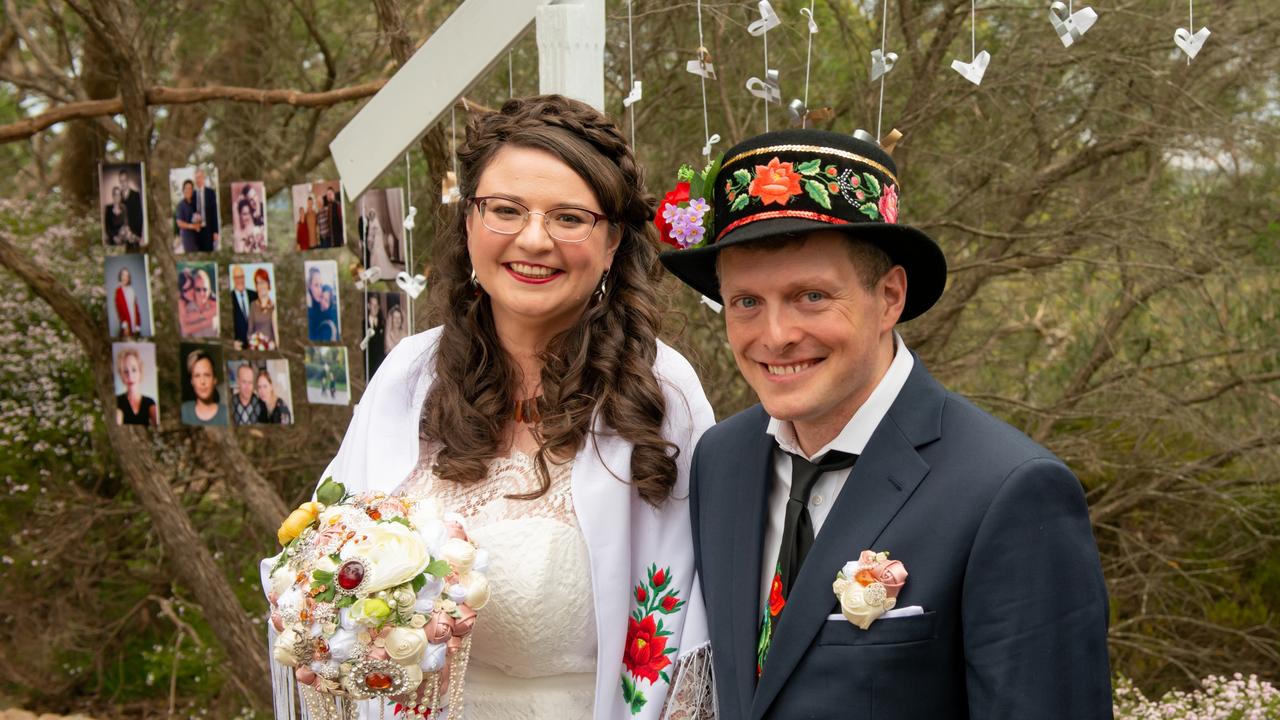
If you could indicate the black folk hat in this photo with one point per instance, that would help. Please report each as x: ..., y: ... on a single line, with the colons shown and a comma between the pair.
x: 791, y: 182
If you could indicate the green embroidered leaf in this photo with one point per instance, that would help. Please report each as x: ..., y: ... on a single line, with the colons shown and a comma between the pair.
x: 637, y: 703
x: 871, y: 185
x: 438, y: 568
x: 628, y: 689
x: 812, y: 167
x: 418, y: 582
x: 818, y: 191
x: 740, y: 202
x: 870, y: 210
x: 346, y: 601
x: 742, y: 177
x: 665, y: 678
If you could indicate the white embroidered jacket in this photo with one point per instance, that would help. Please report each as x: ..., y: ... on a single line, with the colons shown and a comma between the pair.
x: 626, y: 537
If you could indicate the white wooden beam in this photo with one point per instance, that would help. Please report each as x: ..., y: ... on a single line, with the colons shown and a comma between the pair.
x: 571, y: 50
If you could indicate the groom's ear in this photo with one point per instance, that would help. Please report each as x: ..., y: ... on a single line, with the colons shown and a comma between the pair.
x: 892, y: 292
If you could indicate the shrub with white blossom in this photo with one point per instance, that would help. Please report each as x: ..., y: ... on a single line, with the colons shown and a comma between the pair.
x: 1218, y: 698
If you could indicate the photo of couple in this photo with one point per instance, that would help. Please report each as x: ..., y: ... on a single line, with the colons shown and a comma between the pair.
x: 249, y: 216
x: 862, y: 542
x: 123, y: 204
x: 381, y: 230
x: 253, y: 310
x: 385, y: 325
x: 262, y: 392
x: 324, y: 322
x: 198, y: 299
x: 194, y: 194
x: 317, y: 215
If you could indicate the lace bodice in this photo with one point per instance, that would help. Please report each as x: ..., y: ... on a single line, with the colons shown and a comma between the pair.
x: 533, y: 652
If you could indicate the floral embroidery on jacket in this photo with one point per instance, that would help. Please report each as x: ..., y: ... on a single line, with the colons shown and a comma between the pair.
x: 647, y: 655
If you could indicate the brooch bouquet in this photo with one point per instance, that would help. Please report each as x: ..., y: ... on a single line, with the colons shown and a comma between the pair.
x: 868, y: 587
x: 684, y: 215
x: 375, y: 596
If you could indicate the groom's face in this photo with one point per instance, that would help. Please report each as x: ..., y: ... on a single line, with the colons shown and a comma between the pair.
x: 807, y: 333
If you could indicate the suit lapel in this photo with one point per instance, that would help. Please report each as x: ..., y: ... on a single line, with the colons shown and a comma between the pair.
x: 887, y: 473
x: 750, y: 474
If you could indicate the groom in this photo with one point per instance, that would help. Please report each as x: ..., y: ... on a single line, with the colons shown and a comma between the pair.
x: 1001, y: 609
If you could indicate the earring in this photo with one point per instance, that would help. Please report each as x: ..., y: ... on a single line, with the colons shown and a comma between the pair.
x: 604, y: 288
x: 474, y: 283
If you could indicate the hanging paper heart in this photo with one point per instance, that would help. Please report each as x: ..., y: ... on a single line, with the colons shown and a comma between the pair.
x: 813, y: 24
x: 1071, y: 27
x: 367, y: 277
x: 768, y: 20
x: 413, y: 285
x: 767, y: 89
x: 717, y: 307
x: 636, y: 94
x: 1188, y: 43
x: 881, y: 63
x: 368, y: 335
x: 706, y: 149
x: 408, y: 219
x: 702, y: 66
x: 973, y: 71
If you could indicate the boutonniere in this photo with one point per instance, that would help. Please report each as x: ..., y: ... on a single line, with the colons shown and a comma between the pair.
x: 868, y: 587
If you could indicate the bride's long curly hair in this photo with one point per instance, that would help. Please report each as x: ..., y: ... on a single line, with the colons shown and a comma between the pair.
x: 603, y: 364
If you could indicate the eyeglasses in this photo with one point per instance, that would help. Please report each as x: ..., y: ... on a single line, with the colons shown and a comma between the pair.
x: 508, y: 217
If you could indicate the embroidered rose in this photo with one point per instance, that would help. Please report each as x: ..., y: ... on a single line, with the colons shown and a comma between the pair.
x: 645, y: 654
x: 776, y: 601
x: 641, y: 594
x: 889, y: 204
x: 776, y: 182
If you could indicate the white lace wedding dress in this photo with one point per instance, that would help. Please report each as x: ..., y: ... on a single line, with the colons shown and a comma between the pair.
x: 533, y: 652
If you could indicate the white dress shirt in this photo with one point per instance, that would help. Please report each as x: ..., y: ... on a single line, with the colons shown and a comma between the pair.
x: 852, y: 439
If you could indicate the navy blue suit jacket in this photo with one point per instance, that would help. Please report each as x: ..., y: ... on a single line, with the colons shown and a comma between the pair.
x: 994, y: 531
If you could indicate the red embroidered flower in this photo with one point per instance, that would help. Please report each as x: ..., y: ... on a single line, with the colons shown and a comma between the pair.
x: 675, y: 197
x: 641, y: 595
x: 776, y: 182
x: 645, y: 654
x: 670, y: 602
x: 889, y: 204
x: 660, y: 579
x: 776, y: 601
x: 831, y: 171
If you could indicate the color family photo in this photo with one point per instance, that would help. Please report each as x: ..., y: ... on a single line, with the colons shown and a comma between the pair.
x: 128, y: 296
x: 317, y: 215
x: 198, y: 299
x: 249, y: 216
x: 137, y: 389
x: 262, y: 394
x: 123, y: 205
x: 194, y: 194
x: 324, y: 322
x: 327, y: 379
x: 253, y: 306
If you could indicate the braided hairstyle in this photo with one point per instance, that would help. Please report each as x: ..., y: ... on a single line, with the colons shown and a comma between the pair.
x: 603, y: 364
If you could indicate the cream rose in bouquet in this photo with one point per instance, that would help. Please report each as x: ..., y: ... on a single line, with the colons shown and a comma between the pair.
x: 868, y: 587
x: 375, y: 596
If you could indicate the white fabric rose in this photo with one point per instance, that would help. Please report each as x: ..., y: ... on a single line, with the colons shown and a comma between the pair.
x: 405, y: 645
x: 325, y: 564
x: 392, y: 555
x: 283, y: 652
x: 434, y: 658
x: 457, y: 593
x: 404, y: 597
x: 482, y: 561
x: 862, y: 605
x: 460, y: 554
x: 282, y: 579
x: 342, y: 644
x: 477, y: 590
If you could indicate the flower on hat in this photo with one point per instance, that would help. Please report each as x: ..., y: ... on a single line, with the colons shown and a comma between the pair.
x: 684, y: 215
x: 776, y: 182
x: 889, y: 203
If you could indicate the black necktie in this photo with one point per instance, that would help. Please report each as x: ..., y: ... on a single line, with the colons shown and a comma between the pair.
x: 797, y: 531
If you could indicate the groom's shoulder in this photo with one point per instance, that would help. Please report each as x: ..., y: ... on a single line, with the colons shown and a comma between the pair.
x: 986, y: 441
x: 736, y: 431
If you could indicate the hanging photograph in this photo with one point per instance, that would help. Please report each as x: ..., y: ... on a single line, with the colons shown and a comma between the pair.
x: 323, y: 321
x: 194, y: 193
x: 122, y: 197
x: 136, y: 385
x: 384, y: 326
x: 198, y: 299
x: 249, y: 216
x: 317, y: 215
x: 380, y: 227
x: 202, y: 384
x: 261, y: 394
x: 128, y: 286
x: 327, y: 380
x: 253, y: 306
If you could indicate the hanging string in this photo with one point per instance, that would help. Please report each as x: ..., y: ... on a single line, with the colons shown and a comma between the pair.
x: 973, y: 29
x: 1191, y: 21
x: 766, y: 76
x: 631, y: 75
x: 808, y: 61
x: 453, y: 133
x: 511, y: 77
x: 884, y: 36
x: 702, y: 79
x: 408, y: 238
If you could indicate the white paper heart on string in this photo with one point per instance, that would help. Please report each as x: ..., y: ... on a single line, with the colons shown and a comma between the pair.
x: 813, y: 24
x: 1188, y: 43
x: 368, y: 335
x: 881, y: 63
x: 1071, y: 27
x: 367, y: 277
x: 635, y: 96
x: 717, y: 307
x: 768, y: 20
x: 973, y: 71
x: 408, y: 219
x: 706, y: 149
x: 413, y: 285
x: 702, y: 68
x: 768, y: 89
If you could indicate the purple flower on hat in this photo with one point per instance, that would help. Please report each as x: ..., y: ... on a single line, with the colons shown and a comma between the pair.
x: 670, y: 212
x: 686, y: 223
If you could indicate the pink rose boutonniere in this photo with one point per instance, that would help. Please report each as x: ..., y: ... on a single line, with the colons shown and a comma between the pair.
x: 868, y: 587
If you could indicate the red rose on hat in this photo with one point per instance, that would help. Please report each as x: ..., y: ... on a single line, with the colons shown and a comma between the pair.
x: 645, y: 655
x: 775, y: 182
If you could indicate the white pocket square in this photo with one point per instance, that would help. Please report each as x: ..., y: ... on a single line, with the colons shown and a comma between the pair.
x: 889, y: 614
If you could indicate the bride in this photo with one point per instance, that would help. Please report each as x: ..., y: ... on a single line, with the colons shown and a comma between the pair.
x: 546, y: 412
